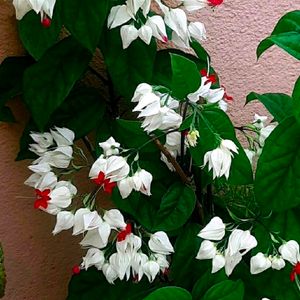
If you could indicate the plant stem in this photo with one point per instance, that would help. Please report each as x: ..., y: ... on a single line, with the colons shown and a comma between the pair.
x: 172, y: 160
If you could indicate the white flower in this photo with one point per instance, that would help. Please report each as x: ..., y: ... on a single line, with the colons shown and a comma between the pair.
x: 214, y: 95
x: 79, y: 221
x: 43, y: 142
x: 259, y: 121
x: 264, y: 133
x: 202, y: 91
x: 128, y: 34
x: 97, y: 237
x: 290, y: 252
x: 231, y: 261
x: 151, y: 269
x: 208, y: 250
x: 125, y: 187
x: 121, y: 263
x: 91, y: 220
x: 110, y: 147
x: 250, y: 154
x: 109, y: 272
x: 137, y: 262
x: 93, y: 257
x: 176, y: 19
x: 219, y: 159
x: 173, y: 145
x: 63, y: 136
x: 191, y: 5
x: 164, y: 120
x: 259, y: 263
x: 42, y: 180
x: 58, y: 158
x: 159, y: 243
x: 118, y: 15
x: 141, y: 90
x: 277, y: 263
x: 61, y: 196
x: 131, y: 244
x: 145, y: 34
x: 64, y: 221
x: 218, y: 262
x: 148, y: 104
x: 192, y: 138
x: 114, y: 218
x: 214, y: 230
x: 161, y: 259
x: 134, y: 5
x: 157, y: 24
x: 39, y: 6
x: 241, y: 241
x: 142, y: 181
x: 114, y: 168
x: 197, y: 31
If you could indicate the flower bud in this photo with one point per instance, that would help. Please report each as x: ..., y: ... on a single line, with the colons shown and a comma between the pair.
x: 259, y: 263
x: 159, y: 243
x: 214, y: 230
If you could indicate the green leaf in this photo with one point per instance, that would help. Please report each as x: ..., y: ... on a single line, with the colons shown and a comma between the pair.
x: 48, y: 82
x: 206, y: 281
x: 125, y: 130
x: 128, y: 67
x: 296, y: 100
x: 240, y: 171
x: 279, y: 105
x: 185, y: 269
x: 286, y: 35
x: 271, y: 284
x: 79, y: 108
x: 226, y: 290
x: 186, y: 78
x: 36, y: 38
x: 296, y: 91
x: 169, y: 293
x: 200, y: 51
x: 85, y: 20
x: 277, y: 177
x: 92, y: 285
x: 2, y: 273
x: 11, y: 75
x: 176, y: 207
x: 285, y: 223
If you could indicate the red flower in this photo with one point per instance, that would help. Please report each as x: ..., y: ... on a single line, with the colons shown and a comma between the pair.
x: 295, y: 272
x: 226, y: 96
x: 42, y: 198
x: 107, y: 184
x: 76, y: 270
x: 210, y: 78
x: 123, y: 234
x: 215, y: 2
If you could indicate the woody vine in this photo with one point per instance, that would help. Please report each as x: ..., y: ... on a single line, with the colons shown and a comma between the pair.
x: 190, y: 218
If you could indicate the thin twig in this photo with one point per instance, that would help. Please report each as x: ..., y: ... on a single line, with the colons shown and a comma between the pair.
x: 89, y: 146
x: 172, y: 160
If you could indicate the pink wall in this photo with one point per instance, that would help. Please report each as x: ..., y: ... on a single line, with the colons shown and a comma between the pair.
x: 38, y: 264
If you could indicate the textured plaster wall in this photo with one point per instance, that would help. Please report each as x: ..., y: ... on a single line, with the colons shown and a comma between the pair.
x: 38, y: 265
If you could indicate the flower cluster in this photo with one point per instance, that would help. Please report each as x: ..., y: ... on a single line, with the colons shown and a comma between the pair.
x: 109, y: 231
x: 208, y: 95
x: 288, y: 251
x: 137, y: 21
x: 239, y: 243
x: 54, y: 151
x: 43, y: 7
x: 262, y: 132
x: 111, y: 169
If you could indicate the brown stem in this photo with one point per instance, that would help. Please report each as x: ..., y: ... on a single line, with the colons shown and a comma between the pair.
x: 172, y: 160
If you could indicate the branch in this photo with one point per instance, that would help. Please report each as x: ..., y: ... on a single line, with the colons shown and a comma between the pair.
x: 172, y: 160
x: 89, y: 146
